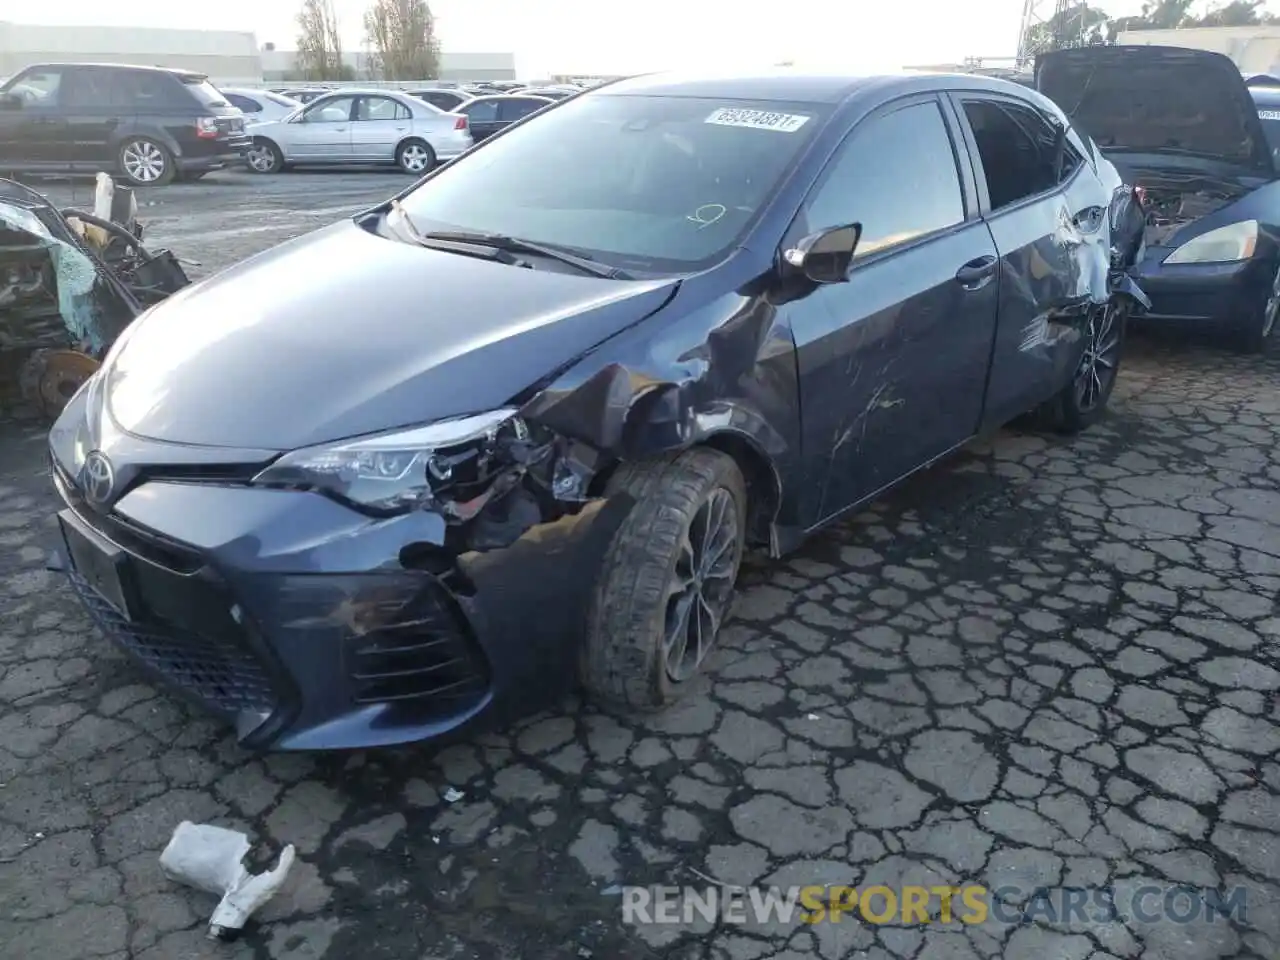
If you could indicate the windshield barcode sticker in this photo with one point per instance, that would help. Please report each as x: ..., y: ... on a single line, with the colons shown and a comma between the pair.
x: 1269, y: 114
x: 759, y: 119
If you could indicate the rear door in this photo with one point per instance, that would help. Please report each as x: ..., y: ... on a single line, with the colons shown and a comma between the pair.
x: 893, y: 362
x: 96, y: 112
x: 379, y: 124
x: 482, y: 117
x: 322, y: 132
x: 1047, y: 223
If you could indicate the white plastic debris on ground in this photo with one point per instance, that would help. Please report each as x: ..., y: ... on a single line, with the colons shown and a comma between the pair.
x: 212, y: 859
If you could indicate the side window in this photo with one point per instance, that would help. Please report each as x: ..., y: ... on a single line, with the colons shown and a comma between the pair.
x: 82, y: 88
x: 896, y: 175
x: 245, y: 104
x: 381, y: 108
x: 1019, y: 148
x: 39, y: 88
x: 516, y: 109
x: 333, y: 110
x: 481, y: 111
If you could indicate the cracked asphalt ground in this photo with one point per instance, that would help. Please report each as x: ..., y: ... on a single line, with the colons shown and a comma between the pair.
x: 1049, y: 662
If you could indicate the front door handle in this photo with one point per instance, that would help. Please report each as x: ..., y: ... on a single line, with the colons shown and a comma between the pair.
x: 976, y: 274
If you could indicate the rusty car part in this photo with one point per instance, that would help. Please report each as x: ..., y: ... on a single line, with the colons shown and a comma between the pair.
x: 64, y: 299
x: 49, y: 378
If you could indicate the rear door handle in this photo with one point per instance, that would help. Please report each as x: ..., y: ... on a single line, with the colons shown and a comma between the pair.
x: 976, y: 274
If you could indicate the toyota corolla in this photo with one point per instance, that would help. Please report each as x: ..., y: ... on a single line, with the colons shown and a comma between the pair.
x: 514, y: 428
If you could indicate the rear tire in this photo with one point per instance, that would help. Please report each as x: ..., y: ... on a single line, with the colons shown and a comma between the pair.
x: 1083, y: 401
x: 264, y: 157
x: 415, y: 157
x: 143, y: 162
x: 668, y: 578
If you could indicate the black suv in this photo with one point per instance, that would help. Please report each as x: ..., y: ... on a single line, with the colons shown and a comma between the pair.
x: 146, y: 124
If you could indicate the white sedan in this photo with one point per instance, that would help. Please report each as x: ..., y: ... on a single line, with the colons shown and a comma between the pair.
x: 360, y: 126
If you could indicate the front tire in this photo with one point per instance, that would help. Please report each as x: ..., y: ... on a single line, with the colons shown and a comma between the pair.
x: 1256, y: 335
x: 668, y: 578
x: 264, y: 157
x: 143, y: 162
x: 1083, y: 401
x: 415, y: 157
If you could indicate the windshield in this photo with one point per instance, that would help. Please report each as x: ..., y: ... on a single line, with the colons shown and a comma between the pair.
x: 648, y: 183
x: 282, y: 101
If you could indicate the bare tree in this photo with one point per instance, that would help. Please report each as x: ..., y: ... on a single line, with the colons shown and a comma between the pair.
x: 319, y: 42
x: 402, y: 36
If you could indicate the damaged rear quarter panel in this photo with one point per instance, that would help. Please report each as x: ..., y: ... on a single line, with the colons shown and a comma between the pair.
x: 709, y: 367
x: 1055, y: 251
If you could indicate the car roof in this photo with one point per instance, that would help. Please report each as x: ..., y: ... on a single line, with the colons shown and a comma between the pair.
x: 514, y: 95
x: 172, y: 71
x: 787, y: 84
x: 369, y: 92
x: 1268, y: 96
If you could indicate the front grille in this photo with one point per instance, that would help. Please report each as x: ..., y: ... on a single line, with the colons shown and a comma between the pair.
x: 220, y: 672
x: 426, y: 656
x: 135, y: 538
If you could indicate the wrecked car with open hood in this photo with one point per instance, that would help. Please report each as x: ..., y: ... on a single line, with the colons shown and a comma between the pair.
x: 1182, y: 126
x: 515, y: 427
x: 70, y: 282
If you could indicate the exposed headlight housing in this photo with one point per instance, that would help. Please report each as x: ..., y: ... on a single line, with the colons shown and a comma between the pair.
x: 450, y: 464
x: 1233, y: 242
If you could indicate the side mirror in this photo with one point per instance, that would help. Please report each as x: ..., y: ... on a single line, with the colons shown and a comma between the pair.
x: 826, y: 256
x: 10, y: 101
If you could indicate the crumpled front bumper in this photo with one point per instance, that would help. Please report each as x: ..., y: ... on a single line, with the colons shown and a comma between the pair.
x: 311, y: 626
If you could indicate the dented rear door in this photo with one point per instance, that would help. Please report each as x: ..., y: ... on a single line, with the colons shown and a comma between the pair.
x: 892, y: 364
x: 1051, y: 230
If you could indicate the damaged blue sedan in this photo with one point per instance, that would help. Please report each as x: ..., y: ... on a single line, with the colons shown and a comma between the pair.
x: 512, y: 430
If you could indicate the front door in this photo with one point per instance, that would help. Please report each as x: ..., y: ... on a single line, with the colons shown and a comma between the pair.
x: 380, y: 124
x: 893, y: 363
x: 322, y: 132
x: 1048, y: 222
x: 32, y: 124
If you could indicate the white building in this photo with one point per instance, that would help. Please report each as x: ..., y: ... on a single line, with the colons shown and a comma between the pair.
x: 280, y: 65
x: 227, y: 56
x: 1254, y: 49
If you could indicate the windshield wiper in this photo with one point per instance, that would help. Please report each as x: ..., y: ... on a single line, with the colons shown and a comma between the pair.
x: 500, y: 241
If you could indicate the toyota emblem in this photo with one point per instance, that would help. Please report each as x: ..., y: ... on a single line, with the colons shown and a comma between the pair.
x: 99, y: 478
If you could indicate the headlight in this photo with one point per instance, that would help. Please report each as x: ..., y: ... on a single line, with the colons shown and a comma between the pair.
x: 1233, y: 242
x: 395, y: 472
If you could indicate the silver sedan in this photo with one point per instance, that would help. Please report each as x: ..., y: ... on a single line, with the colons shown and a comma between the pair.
x: 360, y: 126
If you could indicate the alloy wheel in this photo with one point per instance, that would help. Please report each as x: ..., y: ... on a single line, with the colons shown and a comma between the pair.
x: 260, y: 158
x: 1098, y: 365
x: 143, y: 161
x: 702, y: 585
x: 415, y: 158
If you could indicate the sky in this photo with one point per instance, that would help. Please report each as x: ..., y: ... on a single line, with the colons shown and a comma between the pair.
x: 624, y: 36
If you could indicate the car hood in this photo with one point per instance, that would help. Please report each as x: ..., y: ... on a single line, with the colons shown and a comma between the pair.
x: 342, y: 332
x: 1158, y: 99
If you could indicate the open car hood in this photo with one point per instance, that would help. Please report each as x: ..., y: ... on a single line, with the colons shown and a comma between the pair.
x: 1157, y: 100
